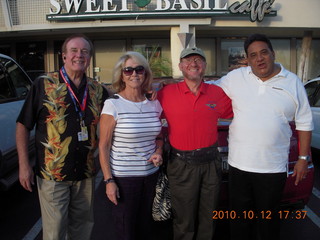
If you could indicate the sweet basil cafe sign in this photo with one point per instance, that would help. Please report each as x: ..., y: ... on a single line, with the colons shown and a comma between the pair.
x: 73, y: 10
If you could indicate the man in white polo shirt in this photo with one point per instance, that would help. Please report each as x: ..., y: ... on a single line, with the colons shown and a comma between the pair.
x: 265, y: 98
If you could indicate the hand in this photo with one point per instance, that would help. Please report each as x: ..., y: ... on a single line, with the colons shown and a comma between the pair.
x: 300, y: 171
x: 112, y: 192
x: 26, y: 177
x: 156, y: 159
x: 151, y: 95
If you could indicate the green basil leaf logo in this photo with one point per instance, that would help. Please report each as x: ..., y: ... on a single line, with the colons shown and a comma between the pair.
x: 142, y: 3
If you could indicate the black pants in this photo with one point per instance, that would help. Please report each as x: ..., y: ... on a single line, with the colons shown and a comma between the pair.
x: 255, y: 197
x: 133, y: 214
x: 194, y: 195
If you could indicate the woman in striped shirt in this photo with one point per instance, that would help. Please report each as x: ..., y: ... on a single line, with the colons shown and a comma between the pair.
x: 131, y: 147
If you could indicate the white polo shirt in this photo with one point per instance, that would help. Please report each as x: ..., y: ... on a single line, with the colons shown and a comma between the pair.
x: 259, y: 136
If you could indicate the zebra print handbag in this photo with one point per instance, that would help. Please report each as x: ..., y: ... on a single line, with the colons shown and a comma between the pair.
x: 161, y: 209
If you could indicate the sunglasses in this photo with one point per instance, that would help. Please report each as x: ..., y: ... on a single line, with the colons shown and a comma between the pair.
x: 128, y: 71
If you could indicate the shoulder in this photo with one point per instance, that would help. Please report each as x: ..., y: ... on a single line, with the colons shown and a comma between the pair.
x: 153, y: 102
x: 113, y: 97
x: 169, y: 88
x: 212, y: 88
x: 238, y: 72
x: 94, y: 84
x: 234, y: 77
x: 48, y: 78
x: 289, y: 77
x: 114, y: 100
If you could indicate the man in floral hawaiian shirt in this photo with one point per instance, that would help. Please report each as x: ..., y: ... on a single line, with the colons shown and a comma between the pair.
x: 64, y: 106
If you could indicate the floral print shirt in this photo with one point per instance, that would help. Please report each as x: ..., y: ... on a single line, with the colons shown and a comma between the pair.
x: 60, y: 156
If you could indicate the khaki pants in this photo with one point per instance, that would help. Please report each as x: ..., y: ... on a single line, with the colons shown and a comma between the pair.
x: 66, y: 208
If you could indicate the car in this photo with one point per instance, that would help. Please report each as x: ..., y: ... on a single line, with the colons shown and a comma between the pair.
x: 313, y: 91
x: 14, y: 87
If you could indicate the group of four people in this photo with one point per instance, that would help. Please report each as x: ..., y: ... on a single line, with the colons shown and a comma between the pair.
x: 67, y: 106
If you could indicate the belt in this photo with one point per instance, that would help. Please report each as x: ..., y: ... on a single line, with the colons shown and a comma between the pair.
x: 200, y: 155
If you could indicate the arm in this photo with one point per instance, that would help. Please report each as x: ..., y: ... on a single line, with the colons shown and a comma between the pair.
x: 107, y: 125
x: 301, y: 167
x: 156, y: 157
x: 26, y: 175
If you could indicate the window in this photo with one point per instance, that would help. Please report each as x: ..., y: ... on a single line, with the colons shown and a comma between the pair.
x: 281, y: 48
x: 20, y: 81
x: 232, y: 55
x: 311, y: 89
x: 30, y: 56
x: 314, y: 62
x: 208, y: 45
x: 5, y: 90
x: 157, y: 52
x: 317, y: 99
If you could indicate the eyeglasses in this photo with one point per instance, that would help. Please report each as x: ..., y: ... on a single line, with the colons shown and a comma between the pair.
x: 188, y: 61
x: 128, y: 71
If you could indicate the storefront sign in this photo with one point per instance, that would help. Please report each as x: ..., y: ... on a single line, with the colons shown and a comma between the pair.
x: 70, y: 10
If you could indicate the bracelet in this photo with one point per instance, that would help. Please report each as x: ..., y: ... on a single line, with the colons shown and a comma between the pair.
x: 307, y: 157
x: 109, y: 180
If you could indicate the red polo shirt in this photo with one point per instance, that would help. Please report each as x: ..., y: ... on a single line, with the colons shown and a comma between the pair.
x: 192, y: 120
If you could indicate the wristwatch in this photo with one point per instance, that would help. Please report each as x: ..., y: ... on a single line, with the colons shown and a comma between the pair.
x: 109, y: 180
x: 307, y: 157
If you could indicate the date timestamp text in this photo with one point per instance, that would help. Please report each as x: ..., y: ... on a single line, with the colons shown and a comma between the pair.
x: 250, y: 214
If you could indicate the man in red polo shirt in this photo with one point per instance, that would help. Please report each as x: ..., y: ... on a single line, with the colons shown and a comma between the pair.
x: 192, y: 110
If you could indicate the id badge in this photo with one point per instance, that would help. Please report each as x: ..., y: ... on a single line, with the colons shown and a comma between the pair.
x: 84, y: 132
x: 83, y: 135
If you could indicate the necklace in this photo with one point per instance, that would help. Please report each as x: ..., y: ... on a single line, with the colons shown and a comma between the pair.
x: 138, y: 105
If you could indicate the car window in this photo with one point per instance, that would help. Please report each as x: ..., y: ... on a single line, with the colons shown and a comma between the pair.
x: 5, y: 90
x: 19, y: 79
x: 317, y: 99
x: 311, y: 88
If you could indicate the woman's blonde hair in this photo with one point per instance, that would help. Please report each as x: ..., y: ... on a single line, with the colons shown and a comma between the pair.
x: 117, y: 82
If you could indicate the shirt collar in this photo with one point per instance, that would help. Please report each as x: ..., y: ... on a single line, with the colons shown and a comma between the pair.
x: 283, y: 72
x: 82, y: 83
x: 185, y: 88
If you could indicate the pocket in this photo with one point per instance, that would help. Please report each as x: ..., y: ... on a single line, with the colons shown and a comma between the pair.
x: 218, y: 164
x: 176, y: 167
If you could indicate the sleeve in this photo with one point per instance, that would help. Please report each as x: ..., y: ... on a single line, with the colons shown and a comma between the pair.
x: 303, y: 115
x: 30, y: 110
x: 109, y: 109
x: 105, y: 94
x: 160, y: 99
x: 224, y: 84
x: 159, y: 108
x: 227, y: 107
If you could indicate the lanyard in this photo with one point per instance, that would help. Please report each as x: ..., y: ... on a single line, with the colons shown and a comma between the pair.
x: 72, y: 94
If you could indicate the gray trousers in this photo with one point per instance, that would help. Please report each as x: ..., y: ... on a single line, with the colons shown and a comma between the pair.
x: 66, y: 208
x: 194, y: 195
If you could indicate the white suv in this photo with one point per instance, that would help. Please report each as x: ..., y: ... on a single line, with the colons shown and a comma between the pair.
x: 14, y: 87
x: 313, y: 91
